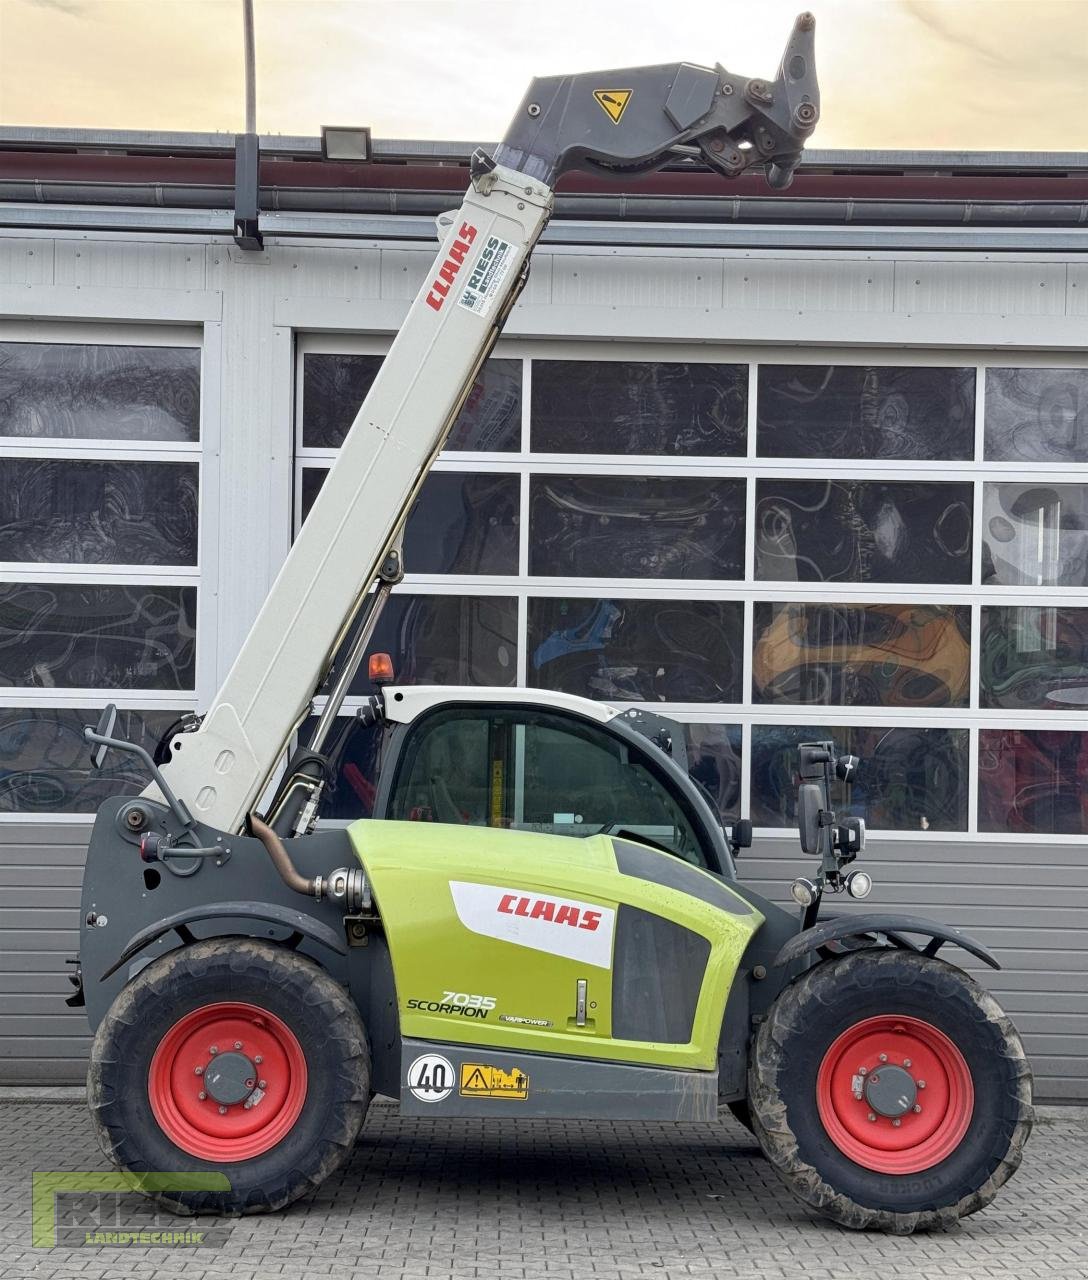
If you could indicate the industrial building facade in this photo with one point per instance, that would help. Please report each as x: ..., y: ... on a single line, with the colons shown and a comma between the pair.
x: 775, y: 479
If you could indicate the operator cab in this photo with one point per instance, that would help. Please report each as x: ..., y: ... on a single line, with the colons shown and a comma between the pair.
x: 531, y: 760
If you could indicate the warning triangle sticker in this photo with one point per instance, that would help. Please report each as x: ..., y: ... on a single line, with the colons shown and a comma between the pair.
x: 613, y: 102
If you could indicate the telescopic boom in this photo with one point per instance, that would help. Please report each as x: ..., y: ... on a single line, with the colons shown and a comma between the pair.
x: 345, y: 559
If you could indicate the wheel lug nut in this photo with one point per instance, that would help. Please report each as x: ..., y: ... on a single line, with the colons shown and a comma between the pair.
x: 222, y: 1111
x: 917, y: 1107
x: 921, y: 1084
x: 897, y: 1123
x: 237, y: 1044
x: 872, y: 1117
x: 258, y: 1059
x: 214, y: 1049
x: 863, y: 1071
x: 906, y: 1062
x: 198, y: 1071
x: 883, y: 1057
x: 202, y: 1096
x: 262, y: 1084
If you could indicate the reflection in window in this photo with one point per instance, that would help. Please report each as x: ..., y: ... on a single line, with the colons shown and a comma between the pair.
x: 1032, y: 780
x: 1036, y: 415
x: 462, y: 522
x: 714, y: 752
x: 880, y: 655
x: 447, y: 640
x: 1035, y: 535
x: 636, y: 527
x: 45, y: 765
x: 863, y: 531
x: 335, y: 386
x: 865, y: 411
x: 908, y: 779
x: 79, y: 512
x: 75, y: 636
x: 637, y: 650
x: 1033, y: 657
x: 621, y: 406
x: 93, y: 392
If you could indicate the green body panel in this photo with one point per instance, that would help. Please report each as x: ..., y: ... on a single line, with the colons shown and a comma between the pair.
x: 428, y: 879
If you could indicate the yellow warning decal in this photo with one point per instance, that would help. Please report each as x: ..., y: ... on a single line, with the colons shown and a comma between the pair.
x: 613, y: 102
x: 480, y: 1080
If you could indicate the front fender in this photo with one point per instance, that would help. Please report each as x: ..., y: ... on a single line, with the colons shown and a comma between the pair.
x: 890, y: 926
x: 267, y: 912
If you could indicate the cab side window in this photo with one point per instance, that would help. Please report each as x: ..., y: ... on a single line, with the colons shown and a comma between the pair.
x: 536, y: 771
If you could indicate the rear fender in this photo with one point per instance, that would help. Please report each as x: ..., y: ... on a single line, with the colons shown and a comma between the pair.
x: 886, y: 930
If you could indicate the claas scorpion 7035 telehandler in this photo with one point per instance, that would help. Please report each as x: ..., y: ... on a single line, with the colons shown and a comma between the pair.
x: 253, y: 983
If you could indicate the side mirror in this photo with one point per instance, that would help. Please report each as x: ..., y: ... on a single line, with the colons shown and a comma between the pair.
x: 107, y: 722
x: 809, y: 804
x: 846, y: 767
x: 740, y: 836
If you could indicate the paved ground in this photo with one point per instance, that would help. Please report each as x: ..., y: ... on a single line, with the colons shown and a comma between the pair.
x: 546, y: 1201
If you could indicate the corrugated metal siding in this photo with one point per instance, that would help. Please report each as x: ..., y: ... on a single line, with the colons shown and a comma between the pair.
x: 42, y: 1041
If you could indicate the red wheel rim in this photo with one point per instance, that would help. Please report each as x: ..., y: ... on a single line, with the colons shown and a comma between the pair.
x: 220, y: 1126
x: 935, y: 1097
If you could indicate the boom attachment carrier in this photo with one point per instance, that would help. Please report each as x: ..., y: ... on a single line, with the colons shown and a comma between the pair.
x: 618, y: 122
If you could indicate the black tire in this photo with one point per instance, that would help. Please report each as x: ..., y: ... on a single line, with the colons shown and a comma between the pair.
x: 317, y: 1011
x: 807, y: 1019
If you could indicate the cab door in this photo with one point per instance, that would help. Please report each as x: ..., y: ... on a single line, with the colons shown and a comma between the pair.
x: 535, y: 769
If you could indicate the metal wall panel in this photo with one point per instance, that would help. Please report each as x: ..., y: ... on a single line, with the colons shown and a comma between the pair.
x: 1030, y: 912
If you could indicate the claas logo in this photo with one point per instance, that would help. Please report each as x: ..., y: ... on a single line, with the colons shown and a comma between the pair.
x: 447, y: 273
x: 554, y: 912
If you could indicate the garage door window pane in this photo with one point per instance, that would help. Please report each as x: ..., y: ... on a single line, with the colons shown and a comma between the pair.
x: 637, y: 650
x: 1033, y: 781
x: 335, y: 386
x: 620, y: 406
x: 1036, y: 415
x: 642, y: 527
x: 462, y: 522
x: 45, y: 766
x: 75, y: 636
x: 908, y: 779
x: 714, y: 752
x: 79, y: 512
x: 1035, y: 535
x: 863, y: 531
x: 865, y: 411
x: 880, y: 655
x: 75, y: 392
x: 447, y: 640
x: 1035, y: 657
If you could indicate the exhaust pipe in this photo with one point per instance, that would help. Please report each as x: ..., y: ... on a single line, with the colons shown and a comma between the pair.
x: 346, y: 885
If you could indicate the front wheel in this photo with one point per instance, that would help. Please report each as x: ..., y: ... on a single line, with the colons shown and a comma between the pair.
x: 235, y: 1057
x: 890, y: 1091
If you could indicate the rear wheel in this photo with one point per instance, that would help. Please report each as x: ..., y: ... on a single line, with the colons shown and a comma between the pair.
x: 890, y: 1091
x: 232, y: 1056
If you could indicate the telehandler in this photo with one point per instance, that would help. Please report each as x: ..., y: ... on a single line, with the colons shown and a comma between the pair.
x: 254, y: 982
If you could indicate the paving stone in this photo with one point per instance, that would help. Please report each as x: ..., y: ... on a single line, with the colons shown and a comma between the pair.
x: 532, y: 1200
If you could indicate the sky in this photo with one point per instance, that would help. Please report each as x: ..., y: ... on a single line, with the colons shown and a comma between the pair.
x: 952, y: 74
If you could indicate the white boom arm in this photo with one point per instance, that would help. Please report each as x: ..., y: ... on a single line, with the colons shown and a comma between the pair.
x: 564, y: 122
x: 222, y: 768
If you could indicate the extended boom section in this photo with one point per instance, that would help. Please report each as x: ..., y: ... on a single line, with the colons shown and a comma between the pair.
x: 623, y: 121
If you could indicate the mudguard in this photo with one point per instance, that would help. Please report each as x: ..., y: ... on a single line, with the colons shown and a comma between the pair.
x: 266, y: 912
x: 891, y: 926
